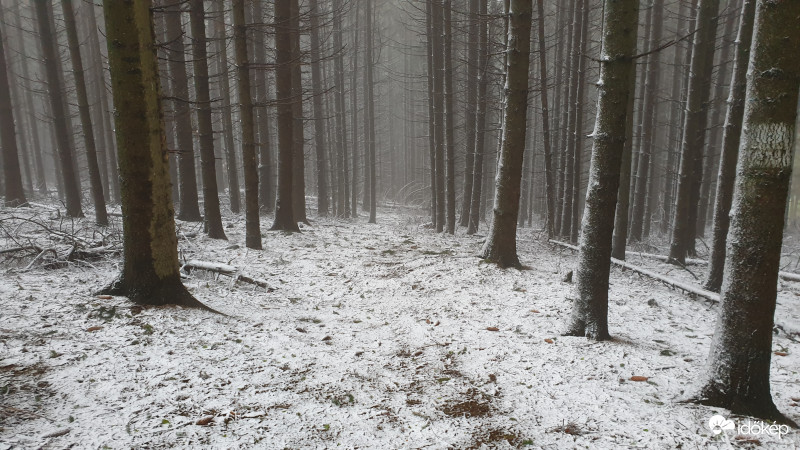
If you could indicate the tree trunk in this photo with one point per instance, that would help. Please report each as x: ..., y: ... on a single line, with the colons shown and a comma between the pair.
x: 284, y: 214
x: 14, y: 193
x: 431, y: 78
x: 298, y: 140
x: 737, y: 375
x: 227, y: 112
x: 619, y: 240
x: 55, y: 92
x: 354, y: 117
x: 480, y: 122
x: 473, y: 72
x: 548, y: 156
x: 150, y: 272
x: 266, y: 194
x: 450, y: 186
x: 101, y: 218
x: 437, y: 24
x: 342, y: 198
x: 188, y: 206
x: 369, y: 112
x: 319, y: 123
x: 501, y: 243
x: 683, y: 229
x: 730, y: 148
x: 249, y: 161
x: 211, y: 212
x: 578, y: 135
x: 590, y: 308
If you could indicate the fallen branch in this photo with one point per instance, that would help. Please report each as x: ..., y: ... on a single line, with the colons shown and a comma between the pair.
x: 712, y: 296
x: 224, y: 269
x: 20, y: 249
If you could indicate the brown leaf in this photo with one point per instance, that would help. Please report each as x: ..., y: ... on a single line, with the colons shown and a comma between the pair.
x: 437, y: 323
x: 205, y: 421
x: 105, y: 297
x: 549, y: 341
x: 327, y: 338
x: 781, y: 353
x: 796, y: 399
x: 638, y: 378
x: 90, y: 329
x: 534, y: 310
x: 493, y: 328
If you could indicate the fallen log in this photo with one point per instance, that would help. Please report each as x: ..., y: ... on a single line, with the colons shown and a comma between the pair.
x: 687, y: 287
x: 224, y: 269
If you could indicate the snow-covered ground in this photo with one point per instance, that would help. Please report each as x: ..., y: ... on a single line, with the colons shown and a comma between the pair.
x: 371, y: 336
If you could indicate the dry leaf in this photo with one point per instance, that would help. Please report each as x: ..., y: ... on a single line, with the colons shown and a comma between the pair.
x: 493, y: 328
x: 549, y: 341
x: 105, y: 297
x: 638, y: 378
x: 90, y: 329
x: 534, y: 310
x: 204, y: 421
x: 781, y: 353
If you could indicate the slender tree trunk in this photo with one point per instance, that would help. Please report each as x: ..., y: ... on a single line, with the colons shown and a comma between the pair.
x: 150, y: 272
x: 730, y: 148
x: 683, y: 229
x: 578, y: 130
x: 266, y: 194
x: 298, y: 141
x: 227, y: 113
x: 450, y: 187
x: 590, y: 308
x: 480, y: 122
x: 249, y: 161
x: 189, y: 208
x: 370, y: 108
x: 319, y: 124
x: 342, y: 198
x: 431, y: 78
x: 14, y: 193
x: 354, y: 117
x: 737, y: 375
x: 437, y: 24
x: 473, y: 72
x: 212, y: 216
x: 101, y: 218
x: 501, y: 243
x: 284, y: 214
x: 619, y: 240
x: 548, y: 156
x: 55, y: 91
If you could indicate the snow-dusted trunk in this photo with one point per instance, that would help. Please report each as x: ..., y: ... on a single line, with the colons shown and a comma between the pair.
x: 694, y: 129
x: 730, y: 148
x: 284, y: 214
x: 249, y: 162
x: 590, y: 307
x: 739, y: 361
x: 150, y: 272
x: 501, y: 243
x: 738, y: 368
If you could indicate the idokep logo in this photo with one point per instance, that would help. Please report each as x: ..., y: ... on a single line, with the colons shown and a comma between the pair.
x: 717, y: 424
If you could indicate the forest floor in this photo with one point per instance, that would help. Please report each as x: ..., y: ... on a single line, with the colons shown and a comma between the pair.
x: 369, y: 336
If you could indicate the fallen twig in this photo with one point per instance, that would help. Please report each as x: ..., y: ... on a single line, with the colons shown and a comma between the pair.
x: 224, y: 269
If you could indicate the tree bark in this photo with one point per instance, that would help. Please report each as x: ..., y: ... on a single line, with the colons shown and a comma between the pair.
x: 14, y: 193
x: 683, y: 229
x: 501, y: 243
x: 473, y: 73
x: 150, y: 273
x: 55, y: 91
x: 450, y: 186
x: 298, y: 140
x: 227, y: 121
x: 249, y: 161
x: 590, y: 307
x: 342, y: 197
x: 212, y: 216
x: 370, y: 110
x: 480, y: 122
x: 548, y: 156
x: 730, y: 148
x: 737, y: 375
x: 266, y: 194
x: 319, y: 122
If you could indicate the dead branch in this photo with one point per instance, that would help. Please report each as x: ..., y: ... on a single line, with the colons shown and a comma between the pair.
x: 224, y: 269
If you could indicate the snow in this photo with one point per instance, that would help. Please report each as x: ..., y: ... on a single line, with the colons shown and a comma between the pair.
x: 374, y: 336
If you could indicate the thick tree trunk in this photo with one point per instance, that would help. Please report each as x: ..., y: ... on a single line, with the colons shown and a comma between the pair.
x: 249, y: 161
x: 590, y: 308
x: 188, y: 205
x: 284, y: 214
x: 14, y: 193
x: 501, y: 243
x: 730, y: 148
x: 213, y: 218
x: 221, y: 47
x: 683, y: 229
x: 738, y: 367
x: 55, y: 91
x: 150, y: 272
